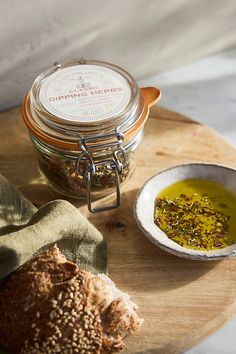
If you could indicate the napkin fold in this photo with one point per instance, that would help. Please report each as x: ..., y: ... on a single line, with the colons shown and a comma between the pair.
x: 26, y: 231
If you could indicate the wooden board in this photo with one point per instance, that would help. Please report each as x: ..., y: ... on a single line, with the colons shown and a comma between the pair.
x: 181, y: 301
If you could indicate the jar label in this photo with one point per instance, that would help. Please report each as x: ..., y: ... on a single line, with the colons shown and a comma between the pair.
x: 85, y: 93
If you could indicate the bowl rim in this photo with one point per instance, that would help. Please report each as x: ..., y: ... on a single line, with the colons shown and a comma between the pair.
x: 185, y: 252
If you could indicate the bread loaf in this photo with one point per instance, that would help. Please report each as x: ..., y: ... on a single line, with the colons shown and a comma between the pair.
x: 49, y: 305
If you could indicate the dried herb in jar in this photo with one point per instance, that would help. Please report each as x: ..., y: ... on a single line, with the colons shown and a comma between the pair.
x: 61, y: 171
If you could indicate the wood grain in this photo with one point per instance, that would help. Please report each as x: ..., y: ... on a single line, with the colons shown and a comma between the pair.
x: 181, y: 301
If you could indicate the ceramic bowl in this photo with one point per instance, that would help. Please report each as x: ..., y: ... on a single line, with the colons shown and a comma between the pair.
x: 144, y: 206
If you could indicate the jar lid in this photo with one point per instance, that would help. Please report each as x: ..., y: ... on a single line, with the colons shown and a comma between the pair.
x: 86, y: 94
x: 87, y: 97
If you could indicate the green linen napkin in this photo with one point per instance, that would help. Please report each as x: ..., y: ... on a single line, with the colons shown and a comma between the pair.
x: 26, y: 231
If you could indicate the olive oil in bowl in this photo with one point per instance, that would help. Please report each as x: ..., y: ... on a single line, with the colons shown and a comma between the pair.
x: 198, y: 214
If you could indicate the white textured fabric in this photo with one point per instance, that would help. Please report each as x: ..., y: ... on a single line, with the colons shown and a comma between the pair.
x: 143, y: 36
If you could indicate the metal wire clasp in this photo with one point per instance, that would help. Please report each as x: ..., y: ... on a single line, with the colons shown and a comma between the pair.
x: 87, y: 167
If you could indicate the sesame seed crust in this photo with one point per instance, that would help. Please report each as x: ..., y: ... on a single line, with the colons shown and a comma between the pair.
x: 46, y: 307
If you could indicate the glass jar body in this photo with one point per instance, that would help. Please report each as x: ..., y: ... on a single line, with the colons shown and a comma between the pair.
x: 85, y: 119
x: 61, y: 171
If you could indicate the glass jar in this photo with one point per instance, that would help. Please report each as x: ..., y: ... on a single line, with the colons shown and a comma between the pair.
x: 85, y: 120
